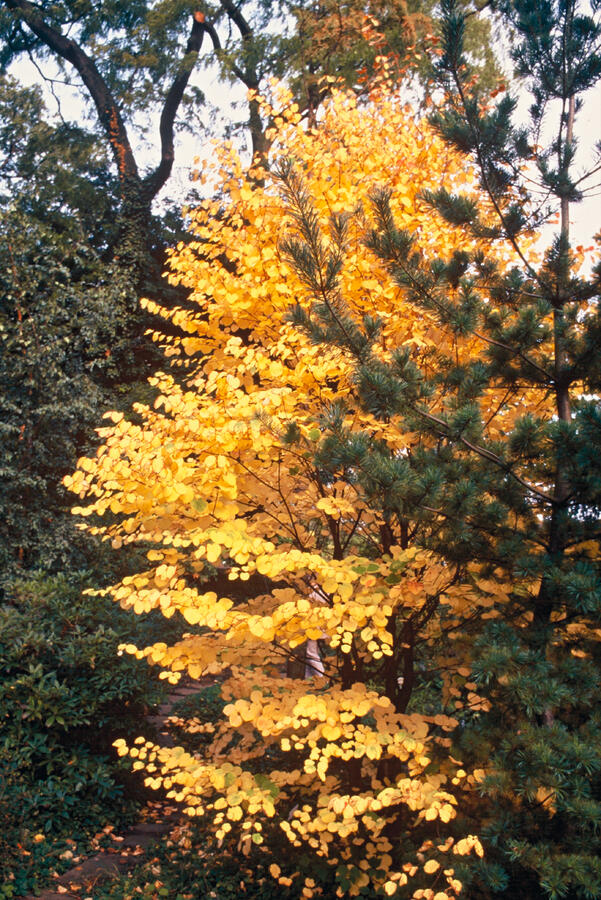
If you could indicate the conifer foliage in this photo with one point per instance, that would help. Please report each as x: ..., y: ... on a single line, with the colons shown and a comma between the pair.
x: 506, y: 478
x: 518, y: 481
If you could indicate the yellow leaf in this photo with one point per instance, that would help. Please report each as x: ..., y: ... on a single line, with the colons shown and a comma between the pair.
x: 224, y: 468
x: 191, y: 615
x: 234, y: 813
x: 213, y: 552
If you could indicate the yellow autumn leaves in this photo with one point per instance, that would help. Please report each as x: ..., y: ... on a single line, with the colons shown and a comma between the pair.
x: 209, y: 476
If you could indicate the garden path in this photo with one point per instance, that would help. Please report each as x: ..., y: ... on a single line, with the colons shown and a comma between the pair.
x: 157, y: 819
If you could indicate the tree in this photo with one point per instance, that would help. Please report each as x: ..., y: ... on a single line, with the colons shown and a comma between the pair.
x: 56, y: 376
x: 346, y: 40
x: 67, y: 185
x: 263, y: 461
x: 53, y: 172
x: 30, y: 28
x: 456, y: 407
x: 71, y: 336
x: 506, y: 478
x: 129, y: 61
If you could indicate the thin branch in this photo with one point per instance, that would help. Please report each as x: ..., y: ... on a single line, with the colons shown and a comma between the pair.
x: 353, y: 530
x: 291, y: 528
x: 51, y: 82
x: 155, y: 181
x: 514, y: 352
x: 484, y: 453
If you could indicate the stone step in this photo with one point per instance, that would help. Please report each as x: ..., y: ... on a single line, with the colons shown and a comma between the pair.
x: 111, y: 864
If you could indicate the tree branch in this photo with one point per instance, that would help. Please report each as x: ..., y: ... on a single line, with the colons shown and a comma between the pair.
x: 237, y: 18
x: 484, y: 453
x: 108, y: 111
x: 249, y: 78
x: 105, y: 103
x: 210, y: 30
x: 155, y: 181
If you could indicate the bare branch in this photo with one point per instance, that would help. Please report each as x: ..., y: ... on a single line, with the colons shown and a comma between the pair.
x: 155, y: 181
x: 108, y: 110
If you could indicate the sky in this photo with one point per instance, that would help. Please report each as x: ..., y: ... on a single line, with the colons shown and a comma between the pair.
x: 229, y: 102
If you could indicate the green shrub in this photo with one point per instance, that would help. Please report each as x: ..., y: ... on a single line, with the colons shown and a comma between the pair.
x: 65, y: 695
x: 188, y: 865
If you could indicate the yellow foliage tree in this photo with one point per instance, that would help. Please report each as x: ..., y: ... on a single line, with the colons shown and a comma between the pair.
x: 238, y: 466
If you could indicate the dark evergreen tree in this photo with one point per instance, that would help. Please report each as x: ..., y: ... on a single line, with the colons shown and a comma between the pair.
x: 71, y: 334
x: 67, y: 353
x: 512, y: 492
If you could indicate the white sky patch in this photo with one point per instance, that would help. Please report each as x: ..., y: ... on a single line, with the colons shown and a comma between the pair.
x: 226, y: 104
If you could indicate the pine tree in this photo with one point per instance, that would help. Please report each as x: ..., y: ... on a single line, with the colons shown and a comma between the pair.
x: 505, y: 478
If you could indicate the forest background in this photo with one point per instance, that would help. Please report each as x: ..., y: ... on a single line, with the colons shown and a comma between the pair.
x: 80, y: 246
